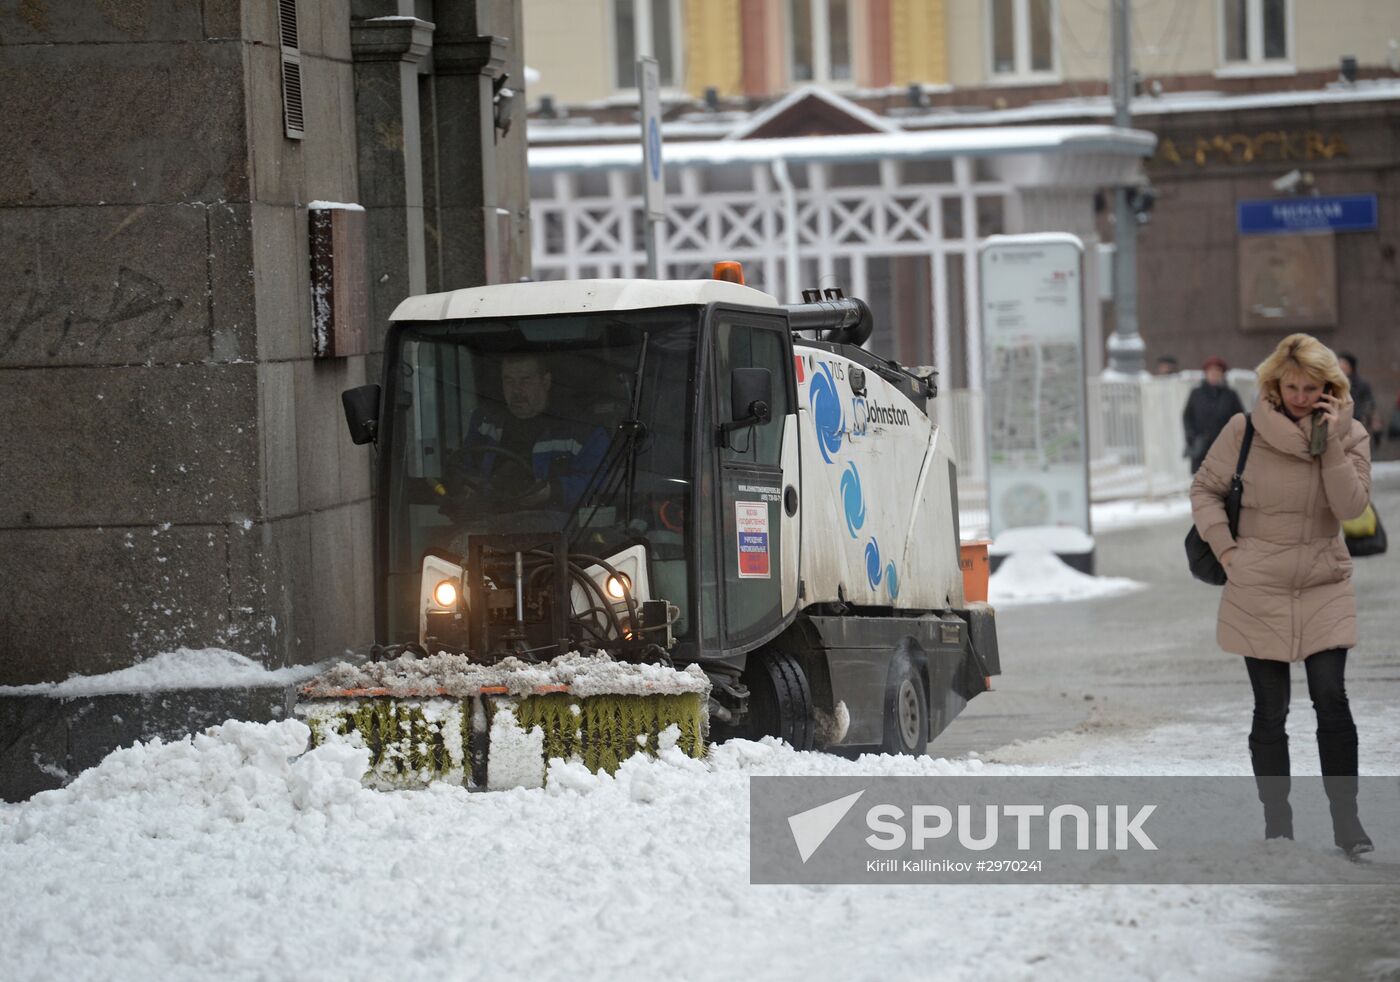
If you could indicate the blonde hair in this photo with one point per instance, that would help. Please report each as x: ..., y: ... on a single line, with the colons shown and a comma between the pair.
x: 1302, y: 353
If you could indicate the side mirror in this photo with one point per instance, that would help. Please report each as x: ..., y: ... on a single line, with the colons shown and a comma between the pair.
x: 362, y: 413
x: 750, y: 400
x: 751, y: 395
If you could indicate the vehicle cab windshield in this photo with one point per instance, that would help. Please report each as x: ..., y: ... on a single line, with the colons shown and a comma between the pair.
x: 577, y: 423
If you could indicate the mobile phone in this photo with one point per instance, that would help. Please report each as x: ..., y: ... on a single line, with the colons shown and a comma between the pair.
x: 1327, y: 391
x: 1318, y: 443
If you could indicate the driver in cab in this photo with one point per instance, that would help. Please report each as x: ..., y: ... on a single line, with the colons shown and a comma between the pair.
x: 517, y: 454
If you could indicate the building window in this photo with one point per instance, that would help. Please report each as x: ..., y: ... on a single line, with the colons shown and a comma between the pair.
x: 1254, y: 31
x: 1023, y: 37
x: 647, y: 28
x: 820, y: 40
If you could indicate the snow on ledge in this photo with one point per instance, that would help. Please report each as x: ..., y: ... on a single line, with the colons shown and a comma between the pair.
x: 457, y: 675
x: 334, y: 205
x: 184, y: 668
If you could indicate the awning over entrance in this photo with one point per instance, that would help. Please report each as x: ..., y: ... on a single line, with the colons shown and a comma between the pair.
x: 1106, y: 155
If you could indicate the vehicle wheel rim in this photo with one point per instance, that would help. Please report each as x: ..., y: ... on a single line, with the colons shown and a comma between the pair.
x: 907, y: 709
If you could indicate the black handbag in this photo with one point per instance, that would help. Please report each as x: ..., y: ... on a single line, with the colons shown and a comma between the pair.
x: 1199, y: 555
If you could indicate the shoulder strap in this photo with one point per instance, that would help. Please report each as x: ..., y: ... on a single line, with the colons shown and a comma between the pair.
x: 1244, y: 444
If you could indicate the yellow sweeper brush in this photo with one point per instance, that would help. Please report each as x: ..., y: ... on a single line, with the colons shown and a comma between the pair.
x: 446, y: 718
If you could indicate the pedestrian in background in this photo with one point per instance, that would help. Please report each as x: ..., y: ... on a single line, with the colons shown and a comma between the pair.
x: 1209, y: 407
x: 1363, y: 399
x: 1166, y: 365
x: 1289, y: 595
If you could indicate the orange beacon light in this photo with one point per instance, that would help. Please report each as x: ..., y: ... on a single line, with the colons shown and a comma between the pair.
x: 729, y: 271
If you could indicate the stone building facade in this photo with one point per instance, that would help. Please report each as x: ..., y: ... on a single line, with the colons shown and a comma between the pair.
x: 1202, y: 291
x: 175, y: 464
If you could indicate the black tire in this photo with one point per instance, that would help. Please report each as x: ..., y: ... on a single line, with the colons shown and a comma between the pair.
x: 906, y: 709
x: 780, y: 700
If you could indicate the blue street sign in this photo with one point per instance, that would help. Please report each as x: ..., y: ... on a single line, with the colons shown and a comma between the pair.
x: 654, y: 145
x: 654, y: 186
x: 1335, y: 213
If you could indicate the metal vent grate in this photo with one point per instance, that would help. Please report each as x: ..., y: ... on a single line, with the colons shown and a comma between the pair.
x: 293, y: 114
x: 287, y: 22
x: 291, y: 98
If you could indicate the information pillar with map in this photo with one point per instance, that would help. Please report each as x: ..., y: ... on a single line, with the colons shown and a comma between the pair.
x: 1033, y: 386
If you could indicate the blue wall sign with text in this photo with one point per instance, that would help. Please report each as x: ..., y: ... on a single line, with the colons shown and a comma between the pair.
x: 1335, y: 213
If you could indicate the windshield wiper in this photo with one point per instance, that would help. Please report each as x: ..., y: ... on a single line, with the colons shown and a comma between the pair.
x: 633, y: 426
x: 619, y: 463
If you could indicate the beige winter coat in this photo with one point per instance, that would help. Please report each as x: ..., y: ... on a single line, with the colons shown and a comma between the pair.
x: 1289, y: 593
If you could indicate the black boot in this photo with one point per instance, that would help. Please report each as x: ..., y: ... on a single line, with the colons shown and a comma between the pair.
x: 1270, y: 762
x: 1347, y: 832
x: 1338, y: 753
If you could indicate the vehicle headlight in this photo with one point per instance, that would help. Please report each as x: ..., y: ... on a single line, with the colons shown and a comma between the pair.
x: 619, y: 586
x: 445, y: 594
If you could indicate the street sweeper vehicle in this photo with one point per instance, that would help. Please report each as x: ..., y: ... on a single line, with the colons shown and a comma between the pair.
x: 621, y: 516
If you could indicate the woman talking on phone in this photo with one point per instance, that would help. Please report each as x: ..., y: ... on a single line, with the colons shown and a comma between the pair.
x: 1289, y: 595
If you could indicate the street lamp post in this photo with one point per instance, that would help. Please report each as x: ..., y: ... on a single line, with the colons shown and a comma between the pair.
x: 1125, y: 346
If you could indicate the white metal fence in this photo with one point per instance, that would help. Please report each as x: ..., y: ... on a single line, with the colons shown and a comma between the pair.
x: 1137, y: 445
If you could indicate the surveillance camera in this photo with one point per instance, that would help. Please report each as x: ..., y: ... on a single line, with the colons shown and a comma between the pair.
x: 1289, y: 182
x: 1142, y: 200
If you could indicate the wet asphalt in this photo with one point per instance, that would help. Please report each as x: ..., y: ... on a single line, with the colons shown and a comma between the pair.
x: 1134, y: 662
x: 1139, y: 660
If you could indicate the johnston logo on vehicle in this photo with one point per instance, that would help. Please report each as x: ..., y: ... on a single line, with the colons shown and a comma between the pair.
x: 864, y: 413
x: 887, y: 415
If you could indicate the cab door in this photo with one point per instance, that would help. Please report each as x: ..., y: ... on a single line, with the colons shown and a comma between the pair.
x: 757, y: 522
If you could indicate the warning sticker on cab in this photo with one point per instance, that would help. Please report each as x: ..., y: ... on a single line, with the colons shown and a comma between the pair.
x: 752, y: 527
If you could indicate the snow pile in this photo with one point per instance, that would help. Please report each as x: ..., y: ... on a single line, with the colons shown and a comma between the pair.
x: 229, y: 775
x: 184, y: 668
x: 1037, y: 577
x: 1062, y: 539
x: 235, y: 855
x: 456, y: 675
x: 1032, y: 573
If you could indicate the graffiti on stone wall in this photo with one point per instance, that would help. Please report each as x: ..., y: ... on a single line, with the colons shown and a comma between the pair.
x: 139, y: 308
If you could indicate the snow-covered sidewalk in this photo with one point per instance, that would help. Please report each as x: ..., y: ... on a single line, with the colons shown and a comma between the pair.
x: 236, y: 855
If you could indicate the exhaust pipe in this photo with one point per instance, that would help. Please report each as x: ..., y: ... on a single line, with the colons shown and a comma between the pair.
x: 847, y: 320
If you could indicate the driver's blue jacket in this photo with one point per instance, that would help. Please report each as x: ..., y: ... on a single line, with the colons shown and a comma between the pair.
x: 563, y: 452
